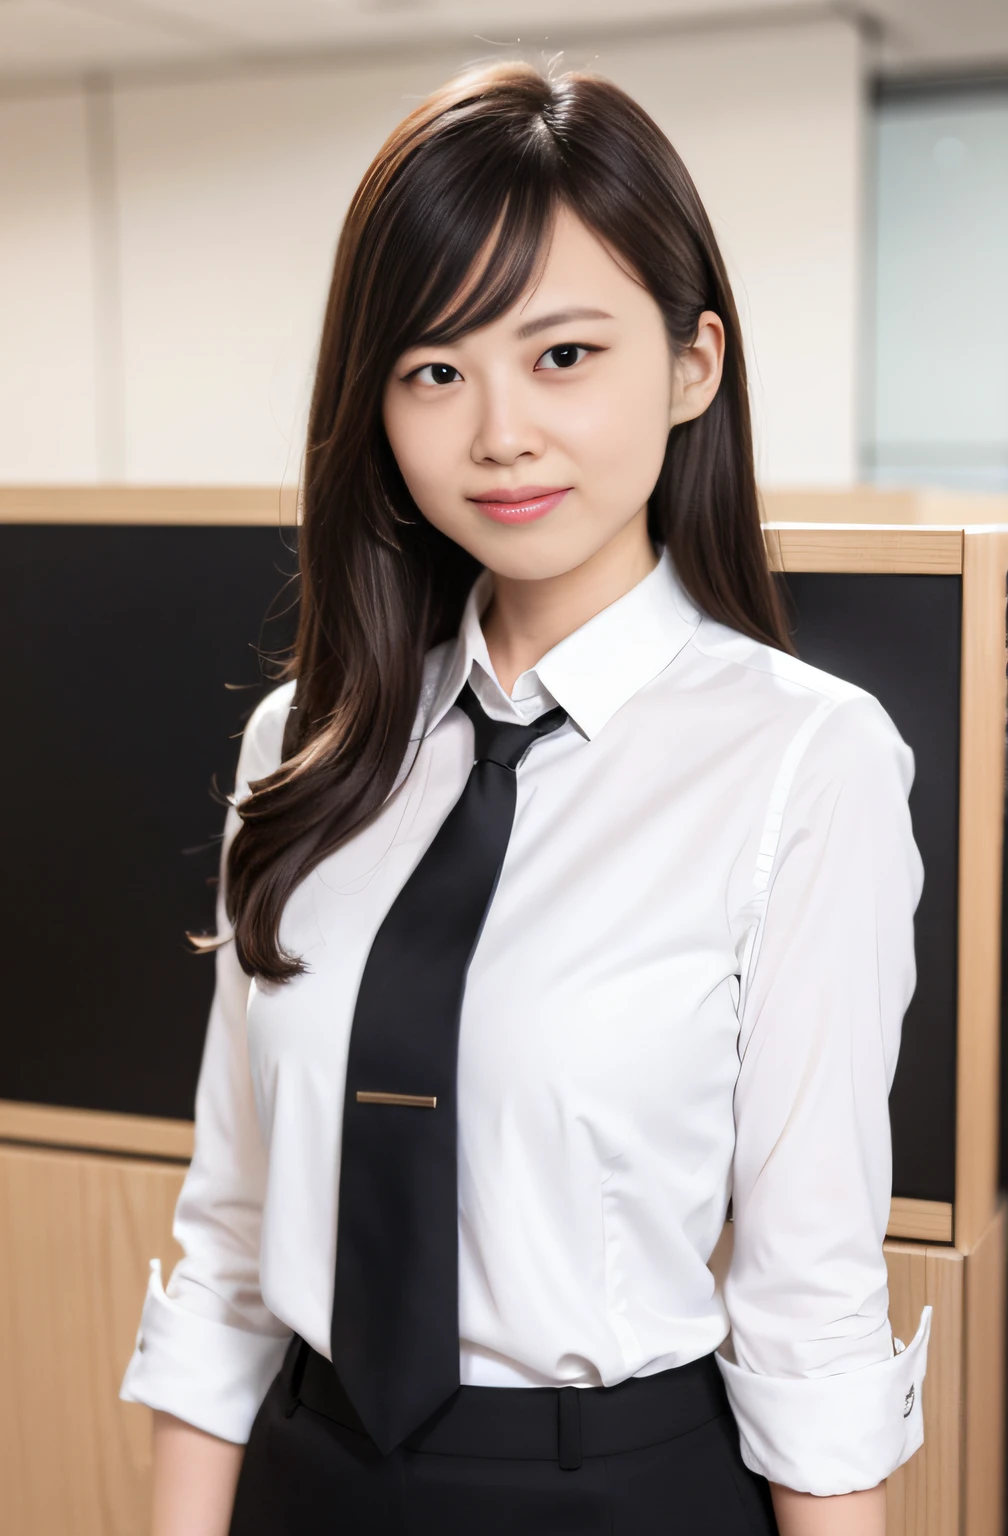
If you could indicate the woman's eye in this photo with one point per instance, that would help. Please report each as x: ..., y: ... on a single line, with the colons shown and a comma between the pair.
x: 565, y: 355
x: 440, y: 373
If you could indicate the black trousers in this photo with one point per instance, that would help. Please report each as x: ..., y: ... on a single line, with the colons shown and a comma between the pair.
x: 653, y: 1456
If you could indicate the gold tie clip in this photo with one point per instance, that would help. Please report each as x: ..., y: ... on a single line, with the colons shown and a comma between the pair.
x: 422, y: 1101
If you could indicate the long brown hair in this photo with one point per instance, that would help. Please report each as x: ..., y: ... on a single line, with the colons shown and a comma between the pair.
x: 497, y: 149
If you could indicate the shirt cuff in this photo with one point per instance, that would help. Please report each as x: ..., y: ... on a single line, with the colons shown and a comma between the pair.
x: 832, y: 1434
x: 208, y: 1373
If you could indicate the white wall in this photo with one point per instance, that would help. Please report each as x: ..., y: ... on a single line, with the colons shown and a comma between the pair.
x: 231, y: 197
x: 223, y: 199
x: 48, y: 424
x: 769, y: 124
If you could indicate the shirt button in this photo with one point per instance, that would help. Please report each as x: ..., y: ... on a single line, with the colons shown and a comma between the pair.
x: 908, y: 1402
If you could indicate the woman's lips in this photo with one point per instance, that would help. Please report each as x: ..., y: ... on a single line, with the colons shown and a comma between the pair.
x: 520, y: 511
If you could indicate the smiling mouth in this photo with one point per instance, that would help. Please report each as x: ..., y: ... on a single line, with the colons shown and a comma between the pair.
x: 526, y: 510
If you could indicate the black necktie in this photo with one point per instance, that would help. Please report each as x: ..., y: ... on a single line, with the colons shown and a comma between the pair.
x: 395, y: 1332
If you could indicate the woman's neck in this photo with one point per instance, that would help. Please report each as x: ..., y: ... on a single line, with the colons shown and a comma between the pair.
x: 525, y: 619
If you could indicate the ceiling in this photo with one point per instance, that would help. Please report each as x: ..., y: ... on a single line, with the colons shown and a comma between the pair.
x: 43, y: 40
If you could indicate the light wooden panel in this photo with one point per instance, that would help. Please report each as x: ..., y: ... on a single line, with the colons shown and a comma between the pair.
x: 872, y: 504
x: 46, y: 1125
x: 923, y: 1496
x: 984, y: 1364
x: 76, y: 1234
x: 223, y: 505
x: 981, y: 820
x: 864, y: 504
x: 854, y: 548
x: 928, y: 1221
x: 85, y: 1129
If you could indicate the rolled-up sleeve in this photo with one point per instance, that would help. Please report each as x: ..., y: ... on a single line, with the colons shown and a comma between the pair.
x: 826, y: 1400
x: 207, y: 1346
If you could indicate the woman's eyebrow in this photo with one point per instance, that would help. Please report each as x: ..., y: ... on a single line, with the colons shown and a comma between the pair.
x: 559, y: 318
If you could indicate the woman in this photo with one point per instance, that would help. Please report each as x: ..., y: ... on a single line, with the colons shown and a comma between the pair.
x: 567, y: 906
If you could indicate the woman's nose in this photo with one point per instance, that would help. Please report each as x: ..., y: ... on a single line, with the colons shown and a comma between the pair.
x: 506, y: 427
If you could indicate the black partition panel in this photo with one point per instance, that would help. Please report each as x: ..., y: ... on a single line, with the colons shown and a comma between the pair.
x: 122, y: 648
x: 900, y: 637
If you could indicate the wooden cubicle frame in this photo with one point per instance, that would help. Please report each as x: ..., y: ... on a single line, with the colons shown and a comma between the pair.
x: 919, y: 506
x: 812, y: 545
x: 956, y: 1484
x: 979, y: 554
x: 951, y: 1256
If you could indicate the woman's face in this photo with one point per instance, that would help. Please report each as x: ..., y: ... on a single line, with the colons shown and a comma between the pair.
x: 572, y: 391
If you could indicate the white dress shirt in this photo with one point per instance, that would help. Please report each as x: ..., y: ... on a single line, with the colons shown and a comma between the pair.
x: 690, y: 986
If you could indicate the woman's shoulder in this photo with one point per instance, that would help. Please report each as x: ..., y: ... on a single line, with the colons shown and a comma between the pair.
x: 262, y: 740
x: 849, y: 725
x: 765, y: 670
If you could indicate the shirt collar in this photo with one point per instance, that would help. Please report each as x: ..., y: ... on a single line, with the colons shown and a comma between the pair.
x: 592, y: 673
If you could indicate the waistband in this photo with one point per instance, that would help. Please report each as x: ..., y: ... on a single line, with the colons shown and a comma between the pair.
x: 560, y: 1424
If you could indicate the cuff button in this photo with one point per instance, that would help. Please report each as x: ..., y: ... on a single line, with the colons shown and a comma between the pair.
x: 908, y: 1402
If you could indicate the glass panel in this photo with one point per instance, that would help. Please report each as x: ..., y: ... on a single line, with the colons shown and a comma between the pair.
x: 937, y: 397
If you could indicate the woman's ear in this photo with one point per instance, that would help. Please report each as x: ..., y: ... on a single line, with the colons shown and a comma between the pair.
x: 697, y: 370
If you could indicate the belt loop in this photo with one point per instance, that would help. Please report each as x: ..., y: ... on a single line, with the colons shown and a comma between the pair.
x: 298, y: 1363
x: 569, y: 1428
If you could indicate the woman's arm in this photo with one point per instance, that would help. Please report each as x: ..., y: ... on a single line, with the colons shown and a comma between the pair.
x: 195, y: 1475
x: 208, y: 1345
x: 841, y: 1514
x: 826, y: 1400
